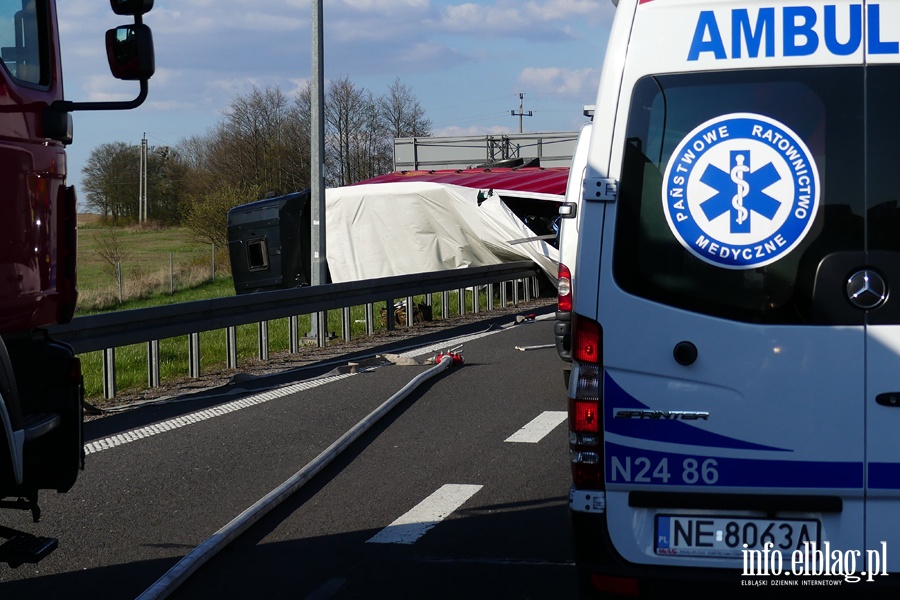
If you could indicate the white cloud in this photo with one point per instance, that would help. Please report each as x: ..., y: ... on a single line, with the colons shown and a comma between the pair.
x: 477, y: 19
x: 470, y: 130
x: 535, y: 21
x: 559, y: 80
x: 563, y: 10
x: 386, y: 5
x: 106, y: 89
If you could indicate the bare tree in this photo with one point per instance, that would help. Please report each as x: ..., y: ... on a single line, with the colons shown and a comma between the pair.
x: 402, y: 112
x: 357, y: 143
x: 343, y: 104
x: 374, y: 143
x: 257, y: 144
x: 112, y: 251
x: 297, y: 151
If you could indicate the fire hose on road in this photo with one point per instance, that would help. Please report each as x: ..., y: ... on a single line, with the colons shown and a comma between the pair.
x: 178, y: 574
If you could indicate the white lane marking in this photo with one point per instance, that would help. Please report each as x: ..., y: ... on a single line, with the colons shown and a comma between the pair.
x: 217, y: 411
x: 426, y: 514
x: 539, y: 427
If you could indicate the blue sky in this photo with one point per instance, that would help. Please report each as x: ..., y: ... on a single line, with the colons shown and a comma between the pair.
x: 466, y: 62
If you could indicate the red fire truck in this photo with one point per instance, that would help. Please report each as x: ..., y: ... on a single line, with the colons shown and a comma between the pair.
x: 41, y: 388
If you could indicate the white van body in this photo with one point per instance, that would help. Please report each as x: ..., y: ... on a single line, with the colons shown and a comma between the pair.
x: 736, y: 333
x: 568, y: 240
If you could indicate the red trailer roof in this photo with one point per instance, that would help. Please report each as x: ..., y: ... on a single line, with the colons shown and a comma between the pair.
x: 543, y: 180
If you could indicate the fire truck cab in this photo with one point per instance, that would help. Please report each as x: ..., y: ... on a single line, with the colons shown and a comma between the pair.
x: 41, y: 388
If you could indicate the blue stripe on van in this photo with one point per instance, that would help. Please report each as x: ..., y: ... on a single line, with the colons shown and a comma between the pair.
x: 632, y: 466
x: 884, y: 476
x: 663, y: 430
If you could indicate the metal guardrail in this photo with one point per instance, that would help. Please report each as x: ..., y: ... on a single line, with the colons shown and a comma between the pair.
x: 105, y: 332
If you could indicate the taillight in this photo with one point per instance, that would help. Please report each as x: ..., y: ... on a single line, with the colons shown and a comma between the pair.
x: 586, y: 340
x: 564, y: 289
x: 584, y: 417
x: 586, y: 404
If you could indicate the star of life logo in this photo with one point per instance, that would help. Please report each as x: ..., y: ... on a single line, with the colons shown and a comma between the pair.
x: 741, y: 191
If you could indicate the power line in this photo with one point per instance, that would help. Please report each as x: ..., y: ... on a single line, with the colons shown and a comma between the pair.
x: 521, y: 113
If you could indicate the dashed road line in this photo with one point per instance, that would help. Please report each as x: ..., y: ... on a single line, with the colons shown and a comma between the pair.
x: 539, y: 427
x: 426, y: 514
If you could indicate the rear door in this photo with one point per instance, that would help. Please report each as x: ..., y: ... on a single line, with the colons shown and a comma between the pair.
x: 736, y: 409
x: 881, y: 289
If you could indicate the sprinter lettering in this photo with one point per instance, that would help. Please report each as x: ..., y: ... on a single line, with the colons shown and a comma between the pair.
x: 804, y: 30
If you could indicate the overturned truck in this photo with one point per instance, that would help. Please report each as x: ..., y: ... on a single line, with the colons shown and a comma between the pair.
x: 400, y: 224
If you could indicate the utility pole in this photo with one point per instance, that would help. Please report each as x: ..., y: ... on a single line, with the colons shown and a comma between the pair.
x: 142, y: 184
x: 318, y: 268
x: 521, y: 113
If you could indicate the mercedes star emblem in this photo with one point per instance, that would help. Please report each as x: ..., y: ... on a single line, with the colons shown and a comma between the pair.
x: 866, y: 289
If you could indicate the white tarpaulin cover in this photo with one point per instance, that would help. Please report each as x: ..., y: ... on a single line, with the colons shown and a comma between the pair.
x: 384, y: 229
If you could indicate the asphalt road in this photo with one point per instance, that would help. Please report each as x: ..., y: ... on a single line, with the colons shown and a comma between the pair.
x: 460, y: 489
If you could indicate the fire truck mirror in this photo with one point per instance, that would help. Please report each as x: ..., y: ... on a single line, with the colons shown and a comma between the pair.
x: 131, y: 7
x: 130, y: 52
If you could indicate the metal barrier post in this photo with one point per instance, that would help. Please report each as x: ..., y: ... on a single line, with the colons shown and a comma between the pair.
x: 346, y: 325
x: 410, y: 310
x: 153, y: 363
x: 109, y: 373
x: 445, y: 304
x: 370, y: 318
x: 194, y: 355
x: 321, y: 320
x: 262, y: 338
x: 231, y: 348
x: 490, y: 296
x: 294, y: 334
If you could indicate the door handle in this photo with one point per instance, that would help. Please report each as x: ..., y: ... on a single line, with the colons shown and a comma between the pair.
x: 888, y: 399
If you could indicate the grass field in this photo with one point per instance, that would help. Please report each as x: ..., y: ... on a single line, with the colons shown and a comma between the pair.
x: 154, y: 263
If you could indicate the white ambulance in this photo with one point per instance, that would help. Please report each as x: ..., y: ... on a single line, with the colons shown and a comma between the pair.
x: 568, y: 244
x: 734, y: 405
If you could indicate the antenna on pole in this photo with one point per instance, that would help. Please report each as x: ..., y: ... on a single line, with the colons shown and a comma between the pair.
x: 521, y: 113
